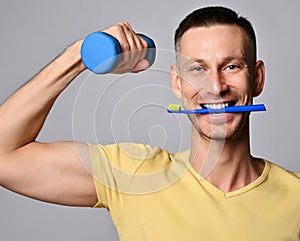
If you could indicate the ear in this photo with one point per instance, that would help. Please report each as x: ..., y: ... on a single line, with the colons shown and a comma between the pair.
x: 259, y: 78
x: 176, y: 81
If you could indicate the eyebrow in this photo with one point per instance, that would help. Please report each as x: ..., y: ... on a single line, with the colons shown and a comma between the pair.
x: 226, y: 59
x: 193, y: 60
x: 234, y: 57
x: 190, y: 61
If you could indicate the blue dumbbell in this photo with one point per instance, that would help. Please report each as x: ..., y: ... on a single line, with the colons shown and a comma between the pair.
x: 101, y: 52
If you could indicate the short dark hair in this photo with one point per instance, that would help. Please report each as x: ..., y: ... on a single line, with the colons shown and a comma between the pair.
x: 215, y: 15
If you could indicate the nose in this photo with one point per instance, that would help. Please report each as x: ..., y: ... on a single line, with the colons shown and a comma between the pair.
x: 217, y: 83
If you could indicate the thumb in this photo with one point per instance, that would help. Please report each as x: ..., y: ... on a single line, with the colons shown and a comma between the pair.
x: 141, y: 65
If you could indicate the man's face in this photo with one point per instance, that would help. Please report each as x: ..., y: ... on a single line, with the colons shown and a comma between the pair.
x: 215, y: 69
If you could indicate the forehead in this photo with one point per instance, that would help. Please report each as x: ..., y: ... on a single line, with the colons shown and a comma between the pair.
x: 215, y: 41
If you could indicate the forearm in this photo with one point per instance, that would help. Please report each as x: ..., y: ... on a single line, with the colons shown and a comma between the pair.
x: 23, y: 114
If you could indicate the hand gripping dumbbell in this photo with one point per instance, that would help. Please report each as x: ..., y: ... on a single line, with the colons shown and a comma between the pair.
x: 101, y: 52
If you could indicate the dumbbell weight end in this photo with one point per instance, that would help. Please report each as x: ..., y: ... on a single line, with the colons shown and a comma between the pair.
x: 101, y: 52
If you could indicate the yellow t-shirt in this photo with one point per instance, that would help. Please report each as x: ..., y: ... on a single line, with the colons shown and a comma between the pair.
x: 153, y: 195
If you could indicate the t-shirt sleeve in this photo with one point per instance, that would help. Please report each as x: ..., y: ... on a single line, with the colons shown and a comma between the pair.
x: 120, y: 168
x: 98, y: 154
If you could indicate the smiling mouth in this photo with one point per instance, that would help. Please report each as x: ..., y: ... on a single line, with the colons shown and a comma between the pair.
x: 217, y: 106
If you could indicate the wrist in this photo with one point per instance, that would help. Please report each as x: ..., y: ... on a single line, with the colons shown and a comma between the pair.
x: 73, y: 55
x: 65, y: 68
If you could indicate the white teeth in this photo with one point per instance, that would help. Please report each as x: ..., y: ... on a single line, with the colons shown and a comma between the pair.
x: 216, y: 106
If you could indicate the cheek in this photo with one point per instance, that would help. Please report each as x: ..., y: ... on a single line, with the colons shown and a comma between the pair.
x: 242, y: 86
x: 188, y: 90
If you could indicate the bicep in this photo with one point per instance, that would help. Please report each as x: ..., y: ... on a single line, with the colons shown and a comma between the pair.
x: 58, y: 173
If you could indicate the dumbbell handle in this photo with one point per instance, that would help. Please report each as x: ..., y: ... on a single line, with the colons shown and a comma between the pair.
x: 101, y: 52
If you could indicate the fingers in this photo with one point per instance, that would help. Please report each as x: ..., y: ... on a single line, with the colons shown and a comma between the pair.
x: 131, y: 60
x: 134, y: 48
x: 134, y: 42
x: 126, y: 36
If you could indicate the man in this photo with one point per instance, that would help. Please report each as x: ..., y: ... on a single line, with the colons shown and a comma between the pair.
x: 215, y: 191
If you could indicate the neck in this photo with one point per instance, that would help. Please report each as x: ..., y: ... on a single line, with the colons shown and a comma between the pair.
x: 227, y: 164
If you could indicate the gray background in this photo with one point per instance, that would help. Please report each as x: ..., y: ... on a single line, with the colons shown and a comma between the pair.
x: 113, y: 108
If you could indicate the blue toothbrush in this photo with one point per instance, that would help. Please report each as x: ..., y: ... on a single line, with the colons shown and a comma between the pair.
x: 174, y: 108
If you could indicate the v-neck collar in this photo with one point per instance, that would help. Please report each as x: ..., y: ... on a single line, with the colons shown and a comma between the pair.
x: 184, y: 157
x: 209, y: 186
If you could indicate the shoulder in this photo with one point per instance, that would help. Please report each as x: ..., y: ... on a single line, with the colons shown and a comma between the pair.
x: 130, y: 156
x: 283, y: 175
x: 297, y: 174
x: 122, y: 167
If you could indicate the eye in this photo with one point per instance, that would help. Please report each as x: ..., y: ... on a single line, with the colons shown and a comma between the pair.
x: 196, y: 69
x: 232, y: 67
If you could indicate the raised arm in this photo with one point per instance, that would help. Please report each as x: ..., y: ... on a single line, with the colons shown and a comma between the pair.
x: 54, y: 172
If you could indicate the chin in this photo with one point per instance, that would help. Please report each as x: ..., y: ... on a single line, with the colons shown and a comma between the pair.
x: 229, y: 131
x: 217, y: 134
